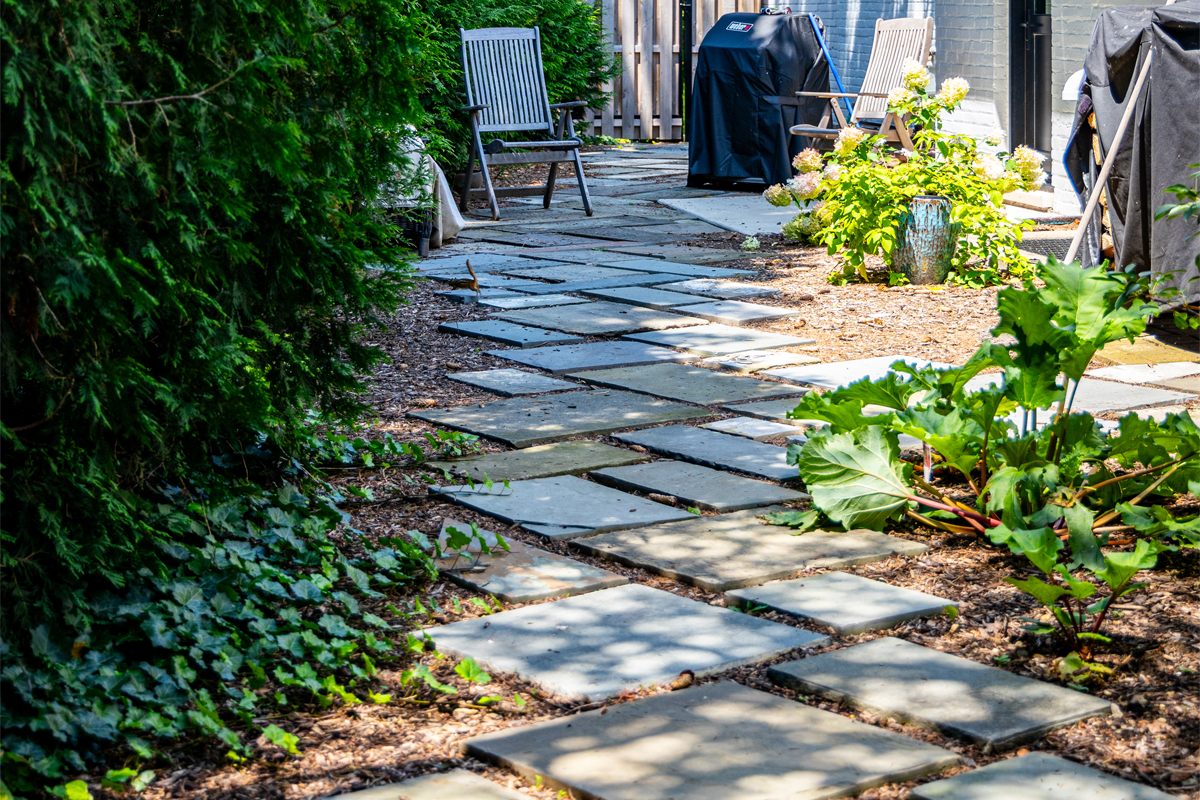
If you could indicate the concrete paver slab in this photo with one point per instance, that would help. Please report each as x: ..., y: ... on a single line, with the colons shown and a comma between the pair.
x: 641, y: 296
x: 1036, y: 776
x: 775, y: 410
x: 926, y: 687
x: 525, y: 421
x: 847, y: 603
x: 1144, y: 350
x: 715, y: 340
x: 599, y: 318
x: 843, y: 373
x: 537, y: 239
x: 595, y: 645
x: 512, y: 382
x: 681, y: 253
x: 1147, y: 373
x: 630, y: 278
x: 480, y: 262
x: 457, y: 784
x: 737, y: 312
x: 729, y: 551
x: 677, y: 268
x: 544, y: 461
x: 697, y: 486
x: 1189, y: 385
x: 722, y: 290
x: 757, y: 429
x: 1096, y: 396
x: 718, y: 450
x: 508, y: 333
x: 487, y: 280
x: 689, y: 384
x: 562, y: 507
x: 594, y: 355
x: 758, y: 360
x: 531, y: 301
x: 467, y: 296
x: 747, y: 214
x: 587, y: 256
x: 520, y: 573
x: 719, y: 741
x: 565, y: 272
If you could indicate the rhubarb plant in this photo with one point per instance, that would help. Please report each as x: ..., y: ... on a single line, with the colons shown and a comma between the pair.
x: 1021, y: 467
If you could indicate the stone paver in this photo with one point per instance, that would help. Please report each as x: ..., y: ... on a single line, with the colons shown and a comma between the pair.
x: 738, y: 312
x: 758, y: 360
x: 1096, y: 396
x: 595, y: 355
x: 641, y: 296
x: 926, y: 687
x: 628, y: 279
x: 536, y: 239
x: 480, y: 262
x: 528, y: 301
x: 597, y: 256
x: 680, y: 253
x: 843, y: 373
x: 697, y: 486
x: 719, y: 450
x: 757, y: 429
x: 487, y: 280
x: 468, y: 296
x: 596, y: 645
x: 526, y: 421
x: 738, y: 549
x: 1190, y: 384
x: 722, y: 290
x: 562, y: 507
x: 776, y: 410
x: 544, y: 461
x: 457, y: 784
x: 520, y: 574
x: 512, y: 382
x: 1147, y: 373
x: 1036, y: 776
x: 719, y: 741
x: 689, y: 384
x: 566, y: 272
x: 599, y: 318
x: 676, y: 268
x: 847, y: 603
x: 715, y: 340
x: 508, y: 333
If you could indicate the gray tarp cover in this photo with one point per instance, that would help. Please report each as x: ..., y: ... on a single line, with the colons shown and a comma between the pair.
x: 1163, y: 137
x: 744, y: 97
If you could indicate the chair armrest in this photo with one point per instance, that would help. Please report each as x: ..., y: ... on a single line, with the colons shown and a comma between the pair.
x: 572, y: 104
x: 479, y: 107
x: 839, y: 94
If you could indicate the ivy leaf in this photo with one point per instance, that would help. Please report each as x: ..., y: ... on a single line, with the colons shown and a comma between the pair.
x: 855, y: 478
x: 281, y: 738
x: 469, y: 670
x: 307, y: 590
x: 336, y: 626
x: 422, y: 673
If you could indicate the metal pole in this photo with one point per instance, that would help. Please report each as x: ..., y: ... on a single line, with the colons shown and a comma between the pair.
x: 1102, y: 180
x: 685, y: 63
x: 816, y: 26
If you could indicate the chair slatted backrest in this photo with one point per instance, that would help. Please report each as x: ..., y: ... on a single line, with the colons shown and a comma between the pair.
x: 896, y: 41
x: 503, y: 69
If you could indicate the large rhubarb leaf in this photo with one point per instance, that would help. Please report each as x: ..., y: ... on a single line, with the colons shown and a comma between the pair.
x: 856, y: 478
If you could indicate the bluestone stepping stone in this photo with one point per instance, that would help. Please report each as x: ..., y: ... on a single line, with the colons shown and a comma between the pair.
x: 697, y: 486
x: 719, y: 741
x: 562, y: 507
x: 597, y: 256
x: 457, y: 784
x: 757, y: 429
x: 1190, y: 384
x: 544, y: 461
x: 847, y: 603
x: 715, y: 340
x: 512, y: 382
x: 676, y: 268
x: 1096, y: 396
x: 530, y: 301
x: 641, y: 296
x: 525, y: 421
x: 1035, y: 776
x: 595, y: 355
x: 566, y: 272
x: 680, y: 253
x: 775, y: 410
x: 718, y: 450
x: 599, y: 318
x: 479, y: 262
x: 722, y: 290
x: 537, y: 239
x: 1147, y: 373
x: 689, y: 384
x: 508, y: 333
x: 487, y: 280
x: 468, y: 296
x: 925, y: 687
x: 737, y: 312
x: 599, y: 644
x: 738, y: 549
x: 519, y: 574
x: 758, y: 360
x: 628, y: 279
x: 843, y: 373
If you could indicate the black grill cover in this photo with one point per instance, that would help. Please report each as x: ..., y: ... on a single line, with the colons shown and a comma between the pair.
x: 744, y: 98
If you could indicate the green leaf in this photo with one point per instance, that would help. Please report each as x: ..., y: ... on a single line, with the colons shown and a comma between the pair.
x: 1039, y: 545
x: 281, y: 738
x: 1045, y: 593
x: 422, y: 673
x: 468, y: 670
x: 1119, y: 568
x: 336, y: 626
x: 855, y: 478
x: 801, y: 521
x: 307, y: 590
x: 1085, y: 547
x: 891, y: 391
x: 956, y: 437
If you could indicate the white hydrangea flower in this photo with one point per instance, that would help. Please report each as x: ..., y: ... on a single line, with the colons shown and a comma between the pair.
x: 989, y: 166
x: 805, y: 186
x: 953, y: 91
x: 808, y: 160
x: 900, y: 96
x: 1029, y: 167
x: 778, y: 195
x: 914, y: 75
x: 848, y: 139
x: 831, y: 172
x: 995, y: 139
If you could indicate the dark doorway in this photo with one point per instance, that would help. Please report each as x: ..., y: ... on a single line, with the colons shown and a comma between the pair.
x: 1030, y: 81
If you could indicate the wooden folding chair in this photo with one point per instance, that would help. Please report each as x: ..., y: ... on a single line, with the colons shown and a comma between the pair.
x: 506, y: 92
x: 896, y: 41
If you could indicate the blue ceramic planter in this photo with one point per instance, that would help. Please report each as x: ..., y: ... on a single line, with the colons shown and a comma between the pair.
x: 925, y: 240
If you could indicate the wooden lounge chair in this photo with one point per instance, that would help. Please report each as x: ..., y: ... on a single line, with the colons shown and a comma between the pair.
x: 896, y: 40
x: 506, y: 92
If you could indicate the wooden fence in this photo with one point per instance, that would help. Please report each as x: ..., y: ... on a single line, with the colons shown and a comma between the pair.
x: 644, y: 98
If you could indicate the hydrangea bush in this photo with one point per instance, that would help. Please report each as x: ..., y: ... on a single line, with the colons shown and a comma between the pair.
x: 851, y: 200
